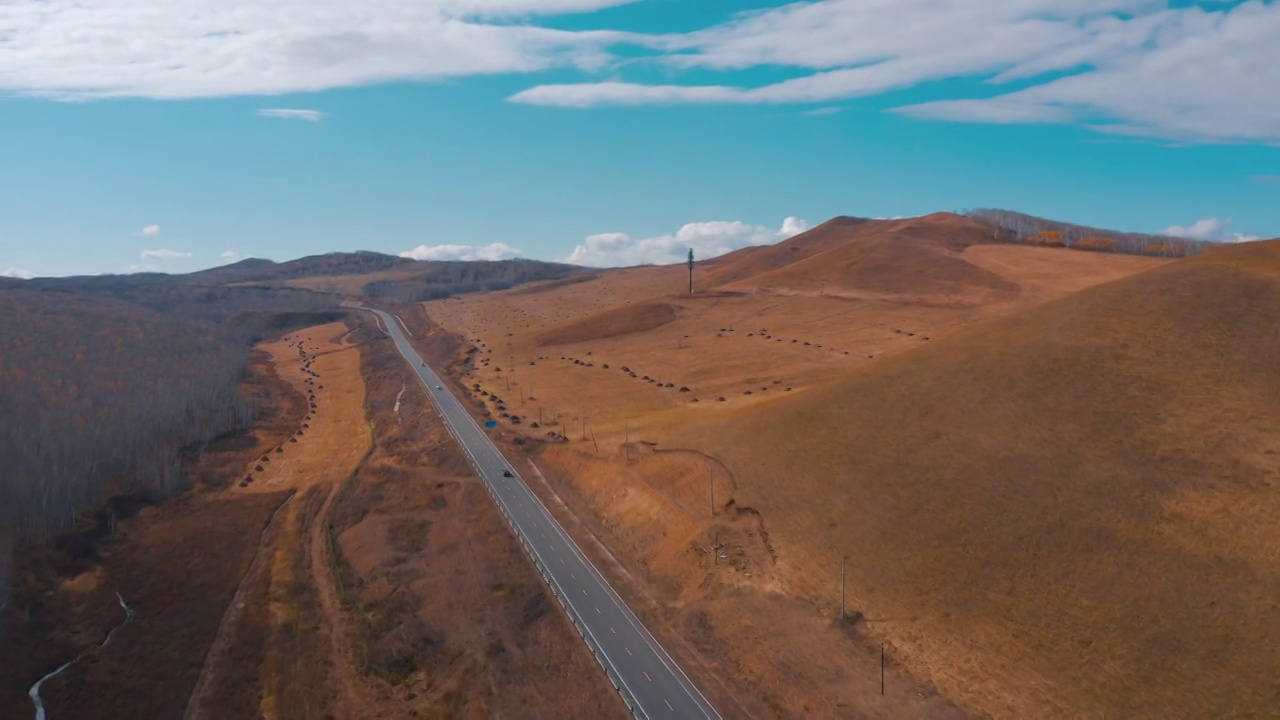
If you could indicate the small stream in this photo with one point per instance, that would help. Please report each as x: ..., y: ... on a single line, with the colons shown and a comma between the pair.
x: 34, y: 693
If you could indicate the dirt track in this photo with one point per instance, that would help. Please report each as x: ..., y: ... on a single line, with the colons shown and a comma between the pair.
x: 291, y: 574
x: 378, y: 640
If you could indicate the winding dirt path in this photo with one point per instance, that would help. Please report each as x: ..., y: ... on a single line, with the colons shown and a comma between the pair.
x: 328, y: 449
x: 353, y: 699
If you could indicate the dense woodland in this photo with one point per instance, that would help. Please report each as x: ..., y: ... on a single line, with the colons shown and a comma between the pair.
x: 104, y: 382
x: 107, y: 382
x: 258, y: 270
x: 445, y: 279
x: 1018, y: 227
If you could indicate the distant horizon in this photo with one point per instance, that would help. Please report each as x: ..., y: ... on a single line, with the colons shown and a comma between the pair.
x: 407, y: 256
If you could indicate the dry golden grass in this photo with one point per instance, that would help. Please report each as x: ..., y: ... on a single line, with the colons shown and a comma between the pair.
x: 918, y: 257
x: 1055, y: 506
x: 612, y: 323
x: 1075, y: 507
x: 1047, y: 273
x: 337, y: 433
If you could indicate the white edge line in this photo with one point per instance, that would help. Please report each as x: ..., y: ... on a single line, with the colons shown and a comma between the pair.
x: 598, y: 650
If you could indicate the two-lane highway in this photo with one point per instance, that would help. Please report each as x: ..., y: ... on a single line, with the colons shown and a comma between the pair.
x: 637, y: 665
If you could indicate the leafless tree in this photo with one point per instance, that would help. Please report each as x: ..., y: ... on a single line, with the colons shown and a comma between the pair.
x: 444, y: 279
x: 108, y: 383
x: 1010, y: 226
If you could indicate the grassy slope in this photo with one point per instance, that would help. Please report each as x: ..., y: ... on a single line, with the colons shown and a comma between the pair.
x: 1077, y: 502
x: 913, y: 256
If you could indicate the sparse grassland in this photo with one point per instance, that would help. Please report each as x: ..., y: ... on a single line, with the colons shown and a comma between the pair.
x: 1050, y: 494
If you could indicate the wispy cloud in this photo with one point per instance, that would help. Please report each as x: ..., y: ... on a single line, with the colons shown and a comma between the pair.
x: 1271, y: 179
x: 71, y: 49
x: 230, y: 256
x: 17, y: 273
x: 314, y: 116
x: 1129, y: 68
x: 150, y: 231
x: 163, y: 254
x: 823, y: 111
x: 1210, y: 228
x: 707, y: 239
x: 1134, y: 67
x: 493, y: 251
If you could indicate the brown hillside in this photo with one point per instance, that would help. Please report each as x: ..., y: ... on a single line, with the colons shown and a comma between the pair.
x: 751, y: 261
x: 759, y: 624
x: 916, y: 256
x: 612, y: 323
x: 1068, y: 511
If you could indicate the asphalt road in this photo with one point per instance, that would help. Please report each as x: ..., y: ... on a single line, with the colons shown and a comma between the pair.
x: 648, y: 679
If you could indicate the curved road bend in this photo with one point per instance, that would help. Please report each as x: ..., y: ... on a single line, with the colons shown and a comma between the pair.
x: 637, y: 665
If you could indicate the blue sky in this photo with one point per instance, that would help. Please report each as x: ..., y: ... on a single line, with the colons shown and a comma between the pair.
x: 182, y: 134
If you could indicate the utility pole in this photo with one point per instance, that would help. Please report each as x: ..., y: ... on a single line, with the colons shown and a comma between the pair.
x: 882, y: 668
x: 842, y: 559
x: 690, y: 271
x: 584, y: 427
x: 711, y: 486
x: 626, y: 442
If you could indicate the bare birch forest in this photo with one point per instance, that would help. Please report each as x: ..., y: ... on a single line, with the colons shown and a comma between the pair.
x: 103, y: 383
x: 1010, y: 226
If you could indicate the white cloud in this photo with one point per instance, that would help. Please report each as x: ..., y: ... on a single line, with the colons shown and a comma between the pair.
x: 1202, y: 229
x: 1132, y: 68
x: 229, y: 256
x: 141, y: 268
x: 17, y: 273
x: 493, y: 251
x: 150, y: 231
x: 1135, y: 67
x: 162, y: 254
x: 708, y: 240
x: 83, y: 49
x: 1210, y: 228
x: 314, y: 116
x: 823, y: 111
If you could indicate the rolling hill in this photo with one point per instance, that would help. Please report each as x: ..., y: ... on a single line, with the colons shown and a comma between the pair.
x: 1079, y: 499
x: 915, y: 256
x: 260, y: 270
